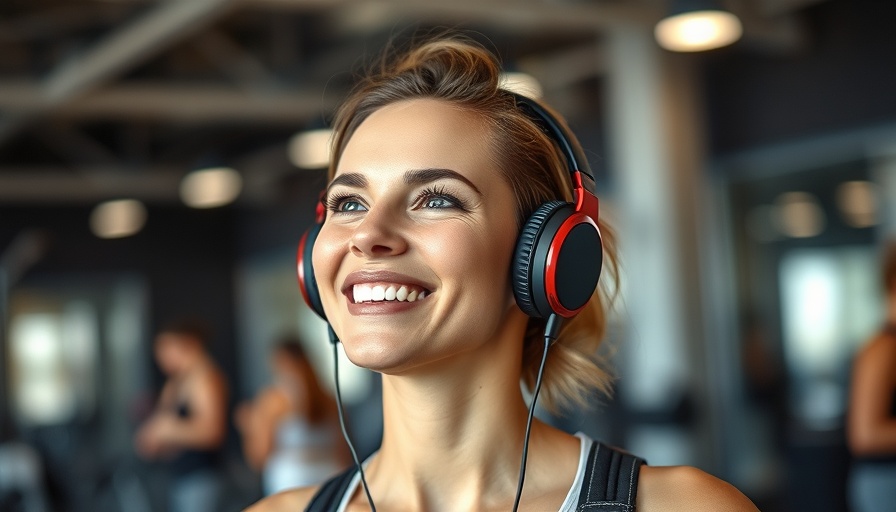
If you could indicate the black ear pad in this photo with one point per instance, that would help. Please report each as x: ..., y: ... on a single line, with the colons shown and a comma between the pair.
x: 522, y: 260
x: 305, y: 270
x: 557, y: 261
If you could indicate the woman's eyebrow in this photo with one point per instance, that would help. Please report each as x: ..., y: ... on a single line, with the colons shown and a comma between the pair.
x: 423, y: 176
x: 351, y: 179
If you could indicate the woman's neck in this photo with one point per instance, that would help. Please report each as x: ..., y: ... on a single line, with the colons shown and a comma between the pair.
x: 448, y: 410
x: 454, y: 434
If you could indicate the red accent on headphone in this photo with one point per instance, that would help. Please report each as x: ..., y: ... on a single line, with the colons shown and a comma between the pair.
x: 320, y: 212
x: 550, y: 278
x: 586, y: 202
x: 300, y: 268
x: 587, y: 208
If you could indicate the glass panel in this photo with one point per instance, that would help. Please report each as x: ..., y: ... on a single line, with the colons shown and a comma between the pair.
x: 42, y: 394
x: 829, y: 305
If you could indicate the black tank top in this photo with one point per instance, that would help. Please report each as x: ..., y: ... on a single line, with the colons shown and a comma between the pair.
x: 190, y: 461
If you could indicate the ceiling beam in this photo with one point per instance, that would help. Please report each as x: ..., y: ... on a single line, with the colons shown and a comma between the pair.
x: 119, y: 51
x: 132, y: 44
x: 161, y: 184
x: 86, y: 185
x: 243, y: 68
x: 777, y: 33
x: 175, y: 103
x: 502, y: 13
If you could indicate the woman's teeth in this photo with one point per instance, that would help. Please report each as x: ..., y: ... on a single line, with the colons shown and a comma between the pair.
x: 377, y: 293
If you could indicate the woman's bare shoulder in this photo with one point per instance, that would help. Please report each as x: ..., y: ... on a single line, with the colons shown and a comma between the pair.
x: 686, y: 488
x: 879, y: 346
x: 293, y: 500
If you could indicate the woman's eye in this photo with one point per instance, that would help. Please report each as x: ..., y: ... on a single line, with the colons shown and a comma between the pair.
x: 437, y: 198
x: 438, y: 202
x: 345, y: 204
x: 350, y: 206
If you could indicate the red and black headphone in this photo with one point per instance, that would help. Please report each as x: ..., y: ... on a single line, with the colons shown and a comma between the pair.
x: 558, y: 255
x: 304, y: 268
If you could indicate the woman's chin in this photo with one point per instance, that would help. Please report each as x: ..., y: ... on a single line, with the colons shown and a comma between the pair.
x: 379, y: 355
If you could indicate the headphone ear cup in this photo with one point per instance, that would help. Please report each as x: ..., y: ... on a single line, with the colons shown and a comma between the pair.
x: 305, y: 270
x: 524, y: 269
x: 555, y: 270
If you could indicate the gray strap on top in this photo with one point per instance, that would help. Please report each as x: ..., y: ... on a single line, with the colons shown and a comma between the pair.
x: 330, y: 494
x: 611, y: 480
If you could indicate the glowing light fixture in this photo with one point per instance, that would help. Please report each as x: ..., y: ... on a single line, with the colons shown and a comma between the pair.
x: 118, y: 219
x: 800, y: 215
x: 521, y: 83
x: 210, y: 187
x: 311, y: 149
x: 858, y: 203
x: 697, y: 25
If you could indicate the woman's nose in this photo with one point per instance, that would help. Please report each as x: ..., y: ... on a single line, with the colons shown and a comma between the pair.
x: 379, y: 234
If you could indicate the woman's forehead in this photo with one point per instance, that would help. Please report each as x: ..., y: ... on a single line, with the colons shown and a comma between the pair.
x: 419, y: 133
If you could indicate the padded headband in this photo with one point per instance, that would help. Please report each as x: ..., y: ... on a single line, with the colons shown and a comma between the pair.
x: 575, y: 159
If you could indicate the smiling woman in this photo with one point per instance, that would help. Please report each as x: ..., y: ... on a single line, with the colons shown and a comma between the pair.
x: 461, y: 240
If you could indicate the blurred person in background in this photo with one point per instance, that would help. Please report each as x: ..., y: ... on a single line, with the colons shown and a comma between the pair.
x: 290, y: 430
x: 188, y: 427
x: 871, y: 425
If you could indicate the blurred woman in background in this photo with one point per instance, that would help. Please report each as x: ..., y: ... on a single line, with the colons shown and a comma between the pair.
x: 872, y: 411
x: 290, y: 431
x: 189, y: 425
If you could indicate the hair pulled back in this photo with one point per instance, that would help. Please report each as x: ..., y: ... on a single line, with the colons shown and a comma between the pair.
x: 465, y: 74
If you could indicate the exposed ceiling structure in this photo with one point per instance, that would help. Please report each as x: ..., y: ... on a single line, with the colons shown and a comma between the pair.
x: 119, y: 98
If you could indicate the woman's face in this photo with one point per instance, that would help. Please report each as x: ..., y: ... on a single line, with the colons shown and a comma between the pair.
x: 413, y: 259
x: 171, y: 353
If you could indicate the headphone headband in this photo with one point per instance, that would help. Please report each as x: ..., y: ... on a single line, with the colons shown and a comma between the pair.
x: 575, y: 159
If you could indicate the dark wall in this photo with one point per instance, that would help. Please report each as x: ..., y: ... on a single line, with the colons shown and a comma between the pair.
x: 282, y: 222
x: 185, y: 256
x: 845, y: 79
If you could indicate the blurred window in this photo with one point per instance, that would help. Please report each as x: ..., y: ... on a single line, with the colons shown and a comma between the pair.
x: 54, y: 350
x: 830, y: 303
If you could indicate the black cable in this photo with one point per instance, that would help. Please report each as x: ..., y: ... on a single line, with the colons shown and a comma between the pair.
x: 334, y: 340
x: 550, y: 334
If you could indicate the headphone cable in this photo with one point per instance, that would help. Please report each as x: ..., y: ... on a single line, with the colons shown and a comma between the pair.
x: 550, y: 334
x: 334, y: 340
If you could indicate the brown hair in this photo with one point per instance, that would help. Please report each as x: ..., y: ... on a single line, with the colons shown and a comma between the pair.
x: 319, y: 402
x: 463, y: 73
x: 192, y: 328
